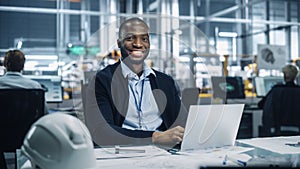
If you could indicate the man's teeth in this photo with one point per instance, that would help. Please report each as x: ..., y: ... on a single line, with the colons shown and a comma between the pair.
x: 137, y: 52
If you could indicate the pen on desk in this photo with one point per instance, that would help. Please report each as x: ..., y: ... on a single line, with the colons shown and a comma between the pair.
x: 225, y: 160
x: 118, y: 150
x: 236, y: 161
x: 293, y: 144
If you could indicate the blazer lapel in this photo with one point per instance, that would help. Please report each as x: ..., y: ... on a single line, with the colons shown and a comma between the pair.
x: 159, y: 96
x: 119, y: 90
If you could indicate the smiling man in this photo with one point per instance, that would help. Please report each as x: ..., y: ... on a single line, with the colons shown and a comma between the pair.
x: 138, y: 104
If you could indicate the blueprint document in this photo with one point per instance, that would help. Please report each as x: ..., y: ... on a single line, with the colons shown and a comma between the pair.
x: 155, y: 157
x: 281, y: 145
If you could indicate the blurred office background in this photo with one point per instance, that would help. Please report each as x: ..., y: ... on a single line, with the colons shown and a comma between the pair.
x: 67, y: 41
x: 190, y: 40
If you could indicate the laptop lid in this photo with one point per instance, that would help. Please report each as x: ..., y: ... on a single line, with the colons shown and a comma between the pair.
x: 211, y: 126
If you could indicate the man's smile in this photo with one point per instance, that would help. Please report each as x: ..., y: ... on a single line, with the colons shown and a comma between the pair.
x: 136, y: 53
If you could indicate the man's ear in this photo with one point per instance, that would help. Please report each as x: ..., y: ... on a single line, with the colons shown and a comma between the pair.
x: 119, y: 43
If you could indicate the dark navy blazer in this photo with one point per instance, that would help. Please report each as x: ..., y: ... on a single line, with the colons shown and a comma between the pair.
x: 112, y: 96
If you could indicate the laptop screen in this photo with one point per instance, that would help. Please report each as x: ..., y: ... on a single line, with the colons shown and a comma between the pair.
x: 211, y: 126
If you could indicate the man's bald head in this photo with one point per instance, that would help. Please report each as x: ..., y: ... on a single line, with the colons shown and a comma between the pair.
x: 134, y: 25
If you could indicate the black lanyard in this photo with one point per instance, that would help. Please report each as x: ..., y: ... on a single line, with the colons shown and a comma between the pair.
x: 138, y: 105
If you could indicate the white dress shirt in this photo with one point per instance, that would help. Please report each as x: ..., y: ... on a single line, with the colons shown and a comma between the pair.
x: 149, y: 117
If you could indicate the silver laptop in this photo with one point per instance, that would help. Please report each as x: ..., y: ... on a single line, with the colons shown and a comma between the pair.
x: 211, y: 126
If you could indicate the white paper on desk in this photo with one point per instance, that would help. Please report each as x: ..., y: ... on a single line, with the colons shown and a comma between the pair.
x: 208, y: 157
x: 221, y: 151
x: 155, y: 162
x: 159, y: 158
x: 109, y: 153
x: 274, y: 144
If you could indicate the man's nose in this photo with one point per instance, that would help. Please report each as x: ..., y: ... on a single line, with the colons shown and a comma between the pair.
x: 137, y: 42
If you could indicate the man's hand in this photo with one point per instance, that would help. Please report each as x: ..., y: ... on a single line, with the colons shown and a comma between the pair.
x: 172, y: 136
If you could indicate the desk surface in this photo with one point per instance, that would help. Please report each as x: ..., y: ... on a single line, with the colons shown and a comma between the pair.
x: 262, y: 152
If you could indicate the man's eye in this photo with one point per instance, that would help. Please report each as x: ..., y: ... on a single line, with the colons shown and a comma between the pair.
x: 129, y: 38
x: 146, y: 39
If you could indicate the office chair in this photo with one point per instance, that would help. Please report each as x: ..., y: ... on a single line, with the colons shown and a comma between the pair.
x: 86, y: 91
x: 83, y: 89
x: 282, y: 112
x: 190, y: 96
x: 19, y: 109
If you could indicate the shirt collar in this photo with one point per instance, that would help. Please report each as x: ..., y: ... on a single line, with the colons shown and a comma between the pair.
x: 11, y: 73
x: 129, y: 73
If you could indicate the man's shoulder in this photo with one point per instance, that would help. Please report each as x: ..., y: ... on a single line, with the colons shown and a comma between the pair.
x: 109, y: 68
x: 31, y: 83
x: 162, y: 75
x: 281, y: 85
x: 278, y: 85
x: 108, y: 71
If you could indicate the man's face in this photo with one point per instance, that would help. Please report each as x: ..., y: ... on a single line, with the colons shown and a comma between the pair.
x: 134, y: 42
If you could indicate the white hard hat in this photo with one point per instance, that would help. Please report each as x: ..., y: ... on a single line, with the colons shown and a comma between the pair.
x: 57, y: 141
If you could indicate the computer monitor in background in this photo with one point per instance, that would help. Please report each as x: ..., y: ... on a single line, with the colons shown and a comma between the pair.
x: 264, y: 84
x: 2, y: 68
x: 41, y: 65
x: 297, y: 62
x: 228, y: 87
x: 52, y: 84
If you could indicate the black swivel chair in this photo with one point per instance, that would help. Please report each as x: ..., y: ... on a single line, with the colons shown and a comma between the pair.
x: 190, y: 96
x: 282, y: 112
x: 19, y: 108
